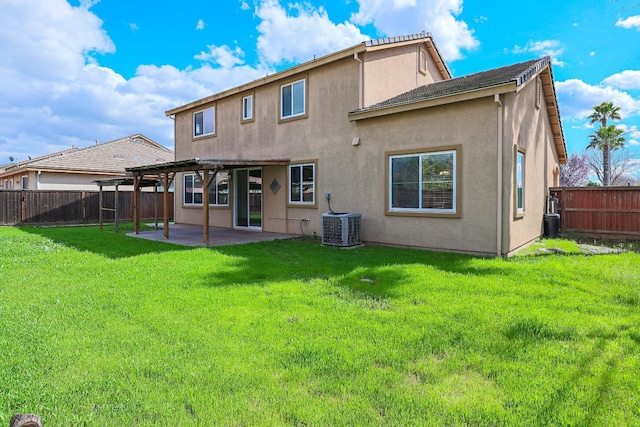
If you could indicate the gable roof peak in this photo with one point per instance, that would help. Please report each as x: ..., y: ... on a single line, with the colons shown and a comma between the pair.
x: 398, y: 39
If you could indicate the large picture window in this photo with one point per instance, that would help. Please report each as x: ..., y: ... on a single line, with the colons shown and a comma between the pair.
x: 218, y: 191
x: 423, y: 182
x: 292, y: 99
x: 302, y: 184
x: 204, y: 122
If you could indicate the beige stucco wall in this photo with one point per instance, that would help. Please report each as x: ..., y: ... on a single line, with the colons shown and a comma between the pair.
x: 527, y: 129
x: 332, y: 94
x: 355, y: 176
x: 58, y: 180
x: 390, y: 72
x: 472, y: 126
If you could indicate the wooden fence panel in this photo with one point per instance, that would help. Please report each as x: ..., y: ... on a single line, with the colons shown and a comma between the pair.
x: 609, y: 212
x: 77, y: 207
x: 10, y: 210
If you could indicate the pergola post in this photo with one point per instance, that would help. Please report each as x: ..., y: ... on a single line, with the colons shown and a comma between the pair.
x: 100, y: 207
x: 155, y: 206
x: 116, y: 208
x: 167, y: 178
x: 206, y: 178
x: 136, y: 203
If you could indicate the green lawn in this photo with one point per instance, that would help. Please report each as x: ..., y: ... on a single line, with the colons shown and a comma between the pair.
x: 101, y: 329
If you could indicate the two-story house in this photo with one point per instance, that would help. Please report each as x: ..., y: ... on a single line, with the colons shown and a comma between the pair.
x: 384, y: 130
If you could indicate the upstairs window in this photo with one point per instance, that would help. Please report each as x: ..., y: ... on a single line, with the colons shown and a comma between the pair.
x: 204, y: 122
x: 218, y: 191
x: 293, y: 99
x: 247, y: 108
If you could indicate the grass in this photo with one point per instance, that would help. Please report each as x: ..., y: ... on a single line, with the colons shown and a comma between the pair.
x: 98, y: 328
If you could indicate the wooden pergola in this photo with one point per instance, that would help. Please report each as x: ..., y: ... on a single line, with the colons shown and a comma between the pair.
x: 117, y: 182
x: 205, y: 170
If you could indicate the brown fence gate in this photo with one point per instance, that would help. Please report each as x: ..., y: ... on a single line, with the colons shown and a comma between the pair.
x: 611, y: 212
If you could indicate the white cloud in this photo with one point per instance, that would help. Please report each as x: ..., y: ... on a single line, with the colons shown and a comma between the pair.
x: 298, y: 34
x: 200, y: 25
x: 133, y: 26
x: 222, y: 55
x: 244, y: 5
x: 578, y: 98
x: 630, y: 22
x: 55, y: 94
x: 439, y: 17
x: 627, y: 79
x: 550, y: 48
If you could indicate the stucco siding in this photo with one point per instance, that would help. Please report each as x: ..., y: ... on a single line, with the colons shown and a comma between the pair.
x: 529, y: 131
x: 472, y: 127
x: 393, y: 71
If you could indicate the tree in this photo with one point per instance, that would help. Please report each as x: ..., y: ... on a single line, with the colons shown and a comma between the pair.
x: 623, y: 163
x: 575, y: 173
x: 603, y: 113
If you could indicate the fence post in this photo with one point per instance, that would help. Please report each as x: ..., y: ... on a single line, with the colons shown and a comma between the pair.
x: 23, y: 208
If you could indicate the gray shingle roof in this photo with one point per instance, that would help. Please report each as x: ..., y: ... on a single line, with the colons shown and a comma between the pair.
x: 518, y: 73
x: 113, y: 156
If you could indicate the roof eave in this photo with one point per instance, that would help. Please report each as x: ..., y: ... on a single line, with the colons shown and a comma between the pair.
x: 289, y: 72
x: 433, y: 102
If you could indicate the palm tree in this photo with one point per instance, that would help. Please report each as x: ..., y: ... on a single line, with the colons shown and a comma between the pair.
x: 602, y: 113
x: 606, y: 139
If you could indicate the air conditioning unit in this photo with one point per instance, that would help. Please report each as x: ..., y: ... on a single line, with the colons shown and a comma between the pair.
x: 341, y: 229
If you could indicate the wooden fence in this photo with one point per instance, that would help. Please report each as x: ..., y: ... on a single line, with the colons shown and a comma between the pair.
x: 611, y: 212
x: 32, y: 207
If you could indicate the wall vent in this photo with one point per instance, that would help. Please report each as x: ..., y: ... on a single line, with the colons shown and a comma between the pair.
x: 341, y: 229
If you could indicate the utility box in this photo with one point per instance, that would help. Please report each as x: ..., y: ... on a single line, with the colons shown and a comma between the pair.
x: 341, y: 229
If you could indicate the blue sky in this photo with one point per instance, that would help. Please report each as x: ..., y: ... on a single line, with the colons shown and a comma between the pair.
x: 78, y: 71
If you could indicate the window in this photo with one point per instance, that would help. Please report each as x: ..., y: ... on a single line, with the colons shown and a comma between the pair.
x: 218, y: 191
x: 25, y: 182
x: 520, y: 182
x: 204, y: 122
x: 423, y: 182
x: 292, y: 99
x: 302, y: 180
x: 247, y: 108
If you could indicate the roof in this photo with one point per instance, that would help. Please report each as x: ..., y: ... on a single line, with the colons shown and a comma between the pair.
x: 109, y: 157
x: 375, y: 44
x: 20, y: 164
x: 485, y: 83
x: 517, y: 73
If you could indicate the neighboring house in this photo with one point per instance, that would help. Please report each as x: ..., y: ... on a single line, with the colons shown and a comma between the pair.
x: 79, y: 168
x: 430, y: 161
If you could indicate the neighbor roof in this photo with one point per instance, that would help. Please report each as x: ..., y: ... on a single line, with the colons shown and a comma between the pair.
x: 110, y: 157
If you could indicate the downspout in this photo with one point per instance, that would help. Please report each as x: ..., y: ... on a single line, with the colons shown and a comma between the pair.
x: 38, y: 180
x: 499, y: 179
x: 360, y: 81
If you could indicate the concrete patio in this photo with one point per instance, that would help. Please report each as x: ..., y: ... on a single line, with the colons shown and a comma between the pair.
x: 191, y: 235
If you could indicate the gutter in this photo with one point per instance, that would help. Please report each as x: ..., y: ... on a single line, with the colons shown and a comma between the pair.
x: 360, y: 81
x: 499, y: 178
